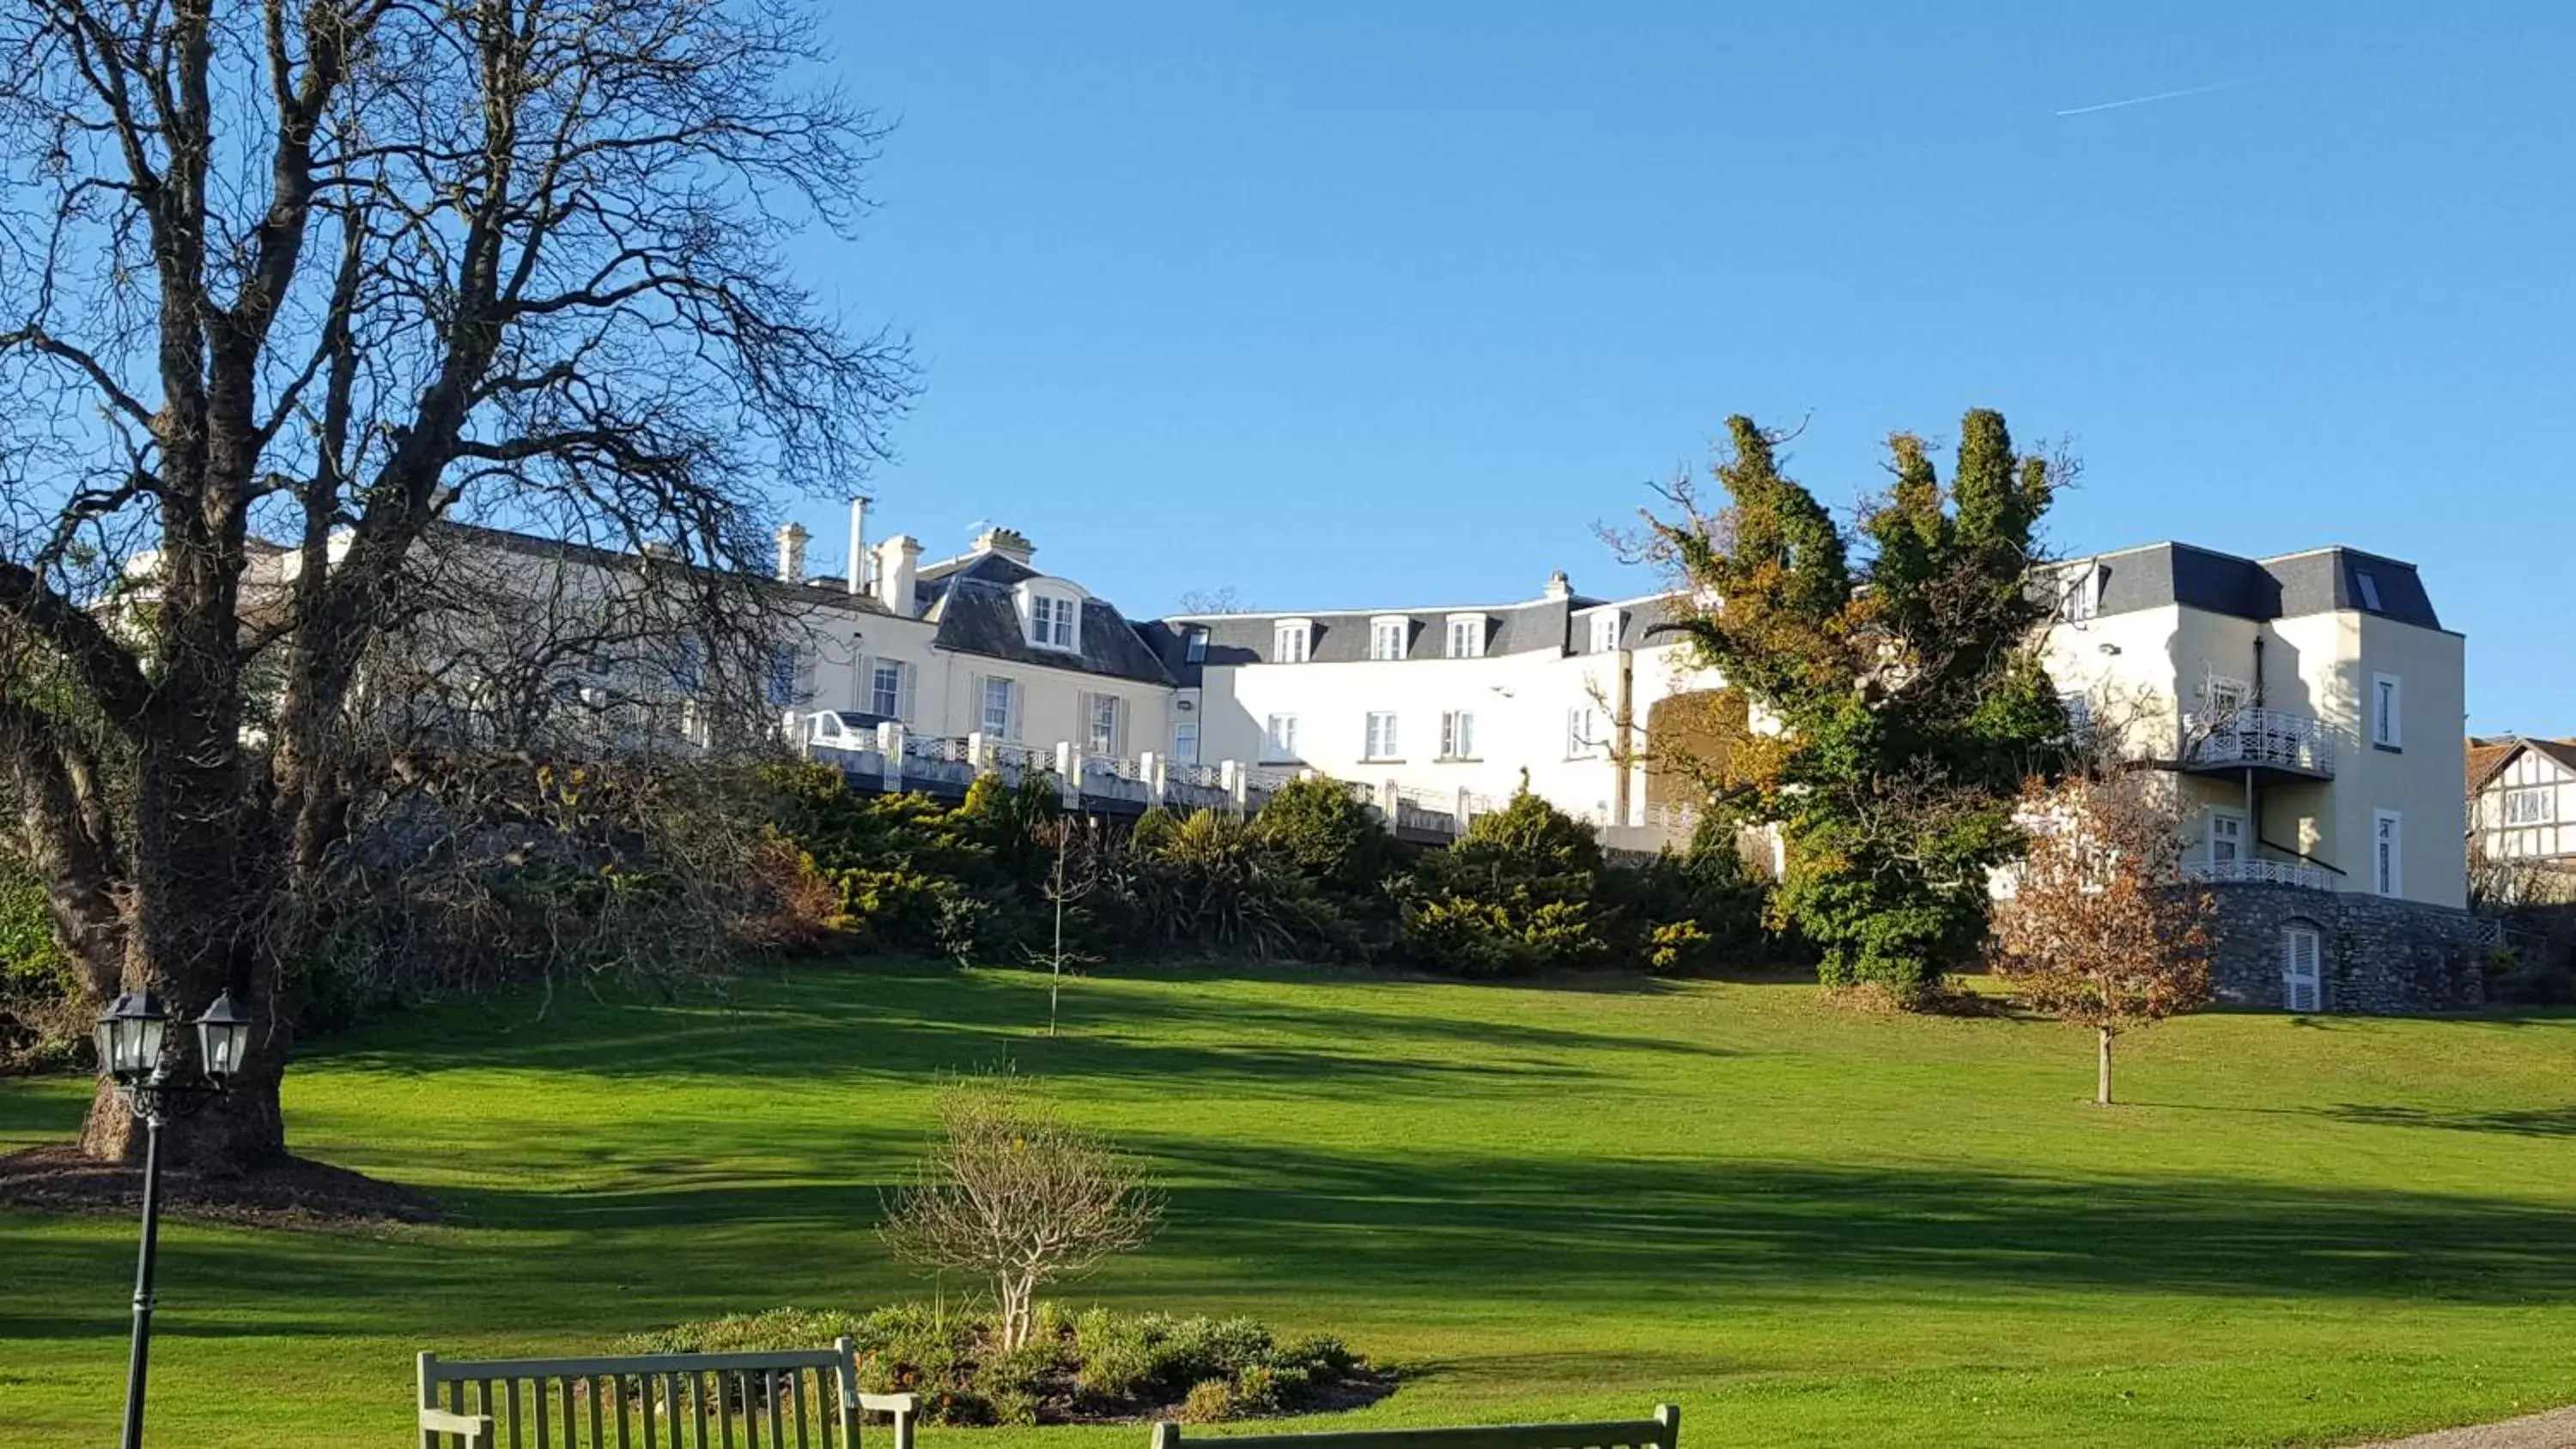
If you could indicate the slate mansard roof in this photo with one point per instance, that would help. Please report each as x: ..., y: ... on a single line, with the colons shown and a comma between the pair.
x: 972, y: 601
x: 1559, y: 625
x: 2316, y: 582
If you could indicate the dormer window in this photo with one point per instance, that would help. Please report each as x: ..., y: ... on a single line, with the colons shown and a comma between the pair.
x: 2083, y: 597
x: 1390, y: 636
x: 1467, y: 636
x: 1051, y: 613
x: 1194, y: 645
x: 1292, y: 641
x: 1605, y: 632
x: 1051, y: 619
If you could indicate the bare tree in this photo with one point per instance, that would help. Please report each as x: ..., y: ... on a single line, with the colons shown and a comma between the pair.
x: 1074, y: 874
x: 1015, y: 1194
x: 333, y: 271
x: 1224, y: 600
x: 2097, y: 925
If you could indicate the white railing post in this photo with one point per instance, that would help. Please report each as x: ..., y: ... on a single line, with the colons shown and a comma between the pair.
x: 1150, y: 765
x: 890, y: 756
x: 976, y: 744
x: 1068, y: 773
x: 1230, y: 778
x: 1389, y: 801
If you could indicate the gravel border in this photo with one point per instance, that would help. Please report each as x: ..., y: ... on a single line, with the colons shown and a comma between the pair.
x: 2553, y: 1430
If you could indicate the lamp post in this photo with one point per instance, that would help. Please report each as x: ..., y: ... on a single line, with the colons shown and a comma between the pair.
x: 132, y: 1036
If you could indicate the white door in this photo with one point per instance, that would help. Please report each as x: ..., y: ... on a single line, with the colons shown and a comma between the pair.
x: 2302, y: 984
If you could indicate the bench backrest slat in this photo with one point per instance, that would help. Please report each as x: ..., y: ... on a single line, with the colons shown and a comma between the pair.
x: 684, y: 1401
x: 1660, y: 1432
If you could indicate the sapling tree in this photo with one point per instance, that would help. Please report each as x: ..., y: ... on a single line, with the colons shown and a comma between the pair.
x: 2096, y: 924
x: 1018, y: 1196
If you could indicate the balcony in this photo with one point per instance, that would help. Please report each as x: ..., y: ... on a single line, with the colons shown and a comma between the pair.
x: 2259, y: 872
x: 2268, y: 741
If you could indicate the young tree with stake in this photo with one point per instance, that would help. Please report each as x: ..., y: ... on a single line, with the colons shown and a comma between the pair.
x: 2097, y: 926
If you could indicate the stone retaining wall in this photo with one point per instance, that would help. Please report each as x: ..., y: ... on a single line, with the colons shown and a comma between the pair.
x: 2381, y: 957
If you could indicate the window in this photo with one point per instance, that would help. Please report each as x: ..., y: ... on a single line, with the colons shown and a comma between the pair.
x: 783, y: 669
x: 1194, y: 645
x: 2534, y: 806
x: 1467, y: 638
x: 2302, y: 983
x: 1291, y: 641
x: 2387, y: 846
x: 1583, y: 736
x: 2079, y: 716
x: 684, y: 664
x: 1185, y: 742
x: 1387, y: 637
x: 997, y: 713
x: 1052, y: 621
x: 2385, y: 713
x: 1605, y: 632
x: 1458, y: 735
x: 2369, y: 587
x: 2226, y: 840
x: 886, y: 692
x: 1100, y: 735
x: 1381, y: 737
x: 2083, y: 597
x: 1279, y: 738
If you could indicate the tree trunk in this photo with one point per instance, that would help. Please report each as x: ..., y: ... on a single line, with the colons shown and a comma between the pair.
x: 2102, y: 1091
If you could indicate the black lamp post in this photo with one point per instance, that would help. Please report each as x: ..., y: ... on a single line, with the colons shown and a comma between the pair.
x: 132, y: 1037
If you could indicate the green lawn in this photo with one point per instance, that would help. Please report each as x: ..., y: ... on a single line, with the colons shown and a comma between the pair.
x: 1807, y: 1227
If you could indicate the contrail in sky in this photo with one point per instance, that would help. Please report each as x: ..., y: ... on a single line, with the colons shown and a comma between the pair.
x: 2149, y: 100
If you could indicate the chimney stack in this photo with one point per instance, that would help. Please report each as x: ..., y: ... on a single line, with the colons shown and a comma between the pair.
x: 1559, y: 586
x: 791, y: 553
x: 898, y: 563
x: 859, y: 559
x: 1010, y: 543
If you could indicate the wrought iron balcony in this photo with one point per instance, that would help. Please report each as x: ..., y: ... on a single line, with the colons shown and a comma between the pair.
x: 2259, y: 872
x: 2258, y: 739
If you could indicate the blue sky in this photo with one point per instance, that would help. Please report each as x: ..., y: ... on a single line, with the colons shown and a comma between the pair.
x: 1345, y: 304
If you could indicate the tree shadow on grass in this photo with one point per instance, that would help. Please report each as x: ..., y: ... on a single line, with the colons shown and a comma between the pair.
x: 908, y: 1023
x: 2531, y: 1122
x: 1726, y: 1231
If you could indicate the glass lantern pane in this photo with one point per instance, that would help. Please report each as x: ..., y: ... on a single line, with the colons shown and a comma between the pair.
x: 222, y: 1045
x: 148, y: 1034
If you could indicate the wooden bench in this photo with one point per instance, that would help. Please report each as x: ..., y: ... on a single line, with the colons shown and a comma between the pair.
x: 1658, y: 1432
x: 807, y: 1399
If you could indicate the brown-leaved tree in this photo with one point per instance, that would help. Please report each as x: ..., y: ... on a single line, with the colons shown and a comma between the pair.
x: 2097, y: 925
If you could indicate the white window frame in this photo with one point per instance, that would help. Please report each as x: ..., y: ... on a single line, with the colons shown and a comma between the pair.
x: 1279, y: 739
x: 1194, y: 644
x: 2387, y: 711
x: 1097, y: 710
x: 1466, y: 636
x: 2235, y: 836
x: 1010, y: 701
x: 1580, y: 722
x: 1458, y: 734
x: 1292, y: 641
x: 901, y: 704
x: 2083, y: 598
x: 2302, y: 947
x: 1390, y: 636
x: 1378, y: 737
x: 2387, y: 853
x: 2543, y: 797
x: 1185, y: 741
x: 1054, y: 621
x: 1605, y: 631
x: 2079, y: 715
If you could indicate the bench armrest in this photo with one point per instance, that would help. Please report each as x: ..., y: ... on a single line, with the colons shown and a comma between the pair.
x: 477, y: 1428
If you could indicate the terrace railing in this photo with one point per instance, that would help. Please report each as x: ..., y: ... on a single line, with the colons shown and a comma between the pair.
x: 2246, y: 871
x: 2269, y: 738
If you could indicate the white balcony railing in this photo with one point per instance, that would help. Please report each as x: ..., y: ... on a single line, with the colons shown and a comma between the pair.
x: 2259, y: 872
x: 2262, y: 737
